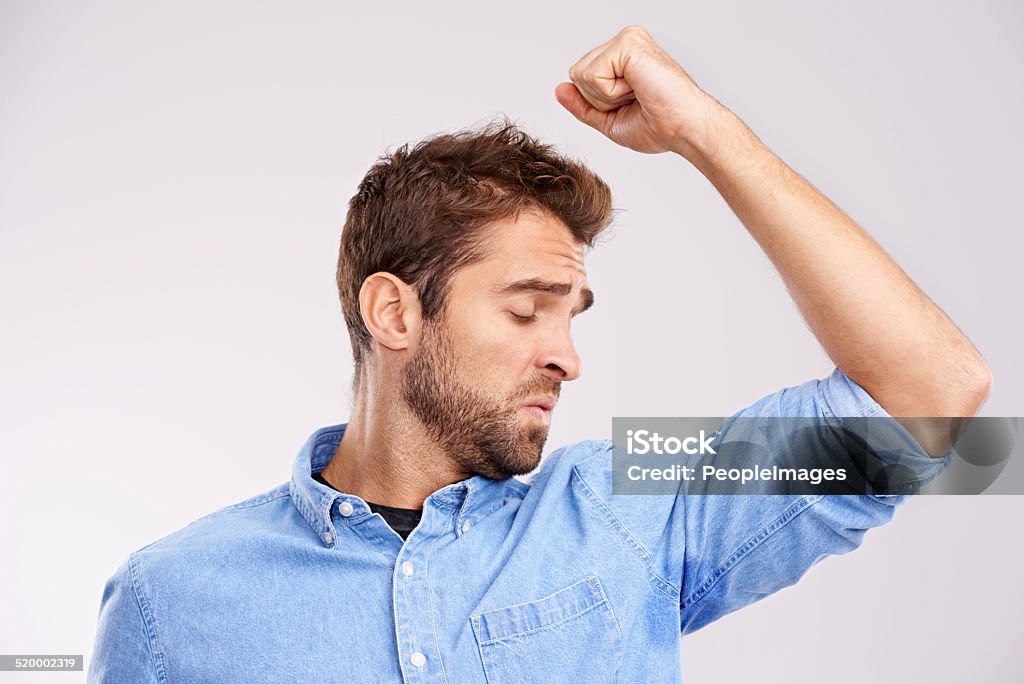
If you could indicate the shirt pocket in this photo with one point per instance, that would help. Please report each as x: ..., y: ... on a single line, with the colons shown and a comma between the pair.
x: 571, y: 635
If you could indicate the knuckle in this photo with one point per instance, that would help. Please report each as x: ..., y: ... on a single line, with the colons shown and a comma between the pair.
x: 635, y: 31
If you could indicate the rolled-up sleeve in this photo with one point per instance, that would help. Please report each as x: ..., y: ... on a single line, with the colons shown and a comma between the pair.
x: 741, y: 548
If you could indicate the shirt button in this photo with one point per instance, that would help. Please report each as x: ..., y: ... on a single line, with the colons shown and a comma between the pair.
x: 345, y: 508
x: 407, y: 568
x: 465, y: 526
x: 328, y: 537
x: 418, y: 659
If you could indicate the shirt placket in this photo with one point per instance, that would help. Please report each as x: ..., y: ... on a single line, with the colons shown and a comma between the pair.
x: 418, y: 650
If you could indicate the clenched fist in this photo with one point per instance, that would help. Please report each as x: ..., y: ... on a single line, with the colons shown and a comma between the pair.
x: 630, y: 90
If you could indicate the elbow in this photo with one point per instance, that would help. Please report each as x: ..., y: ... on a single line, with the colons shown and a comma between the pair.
x: 959, y: 394
x: 964, y: 384
x: 984, y: 385
x: 975, y: 388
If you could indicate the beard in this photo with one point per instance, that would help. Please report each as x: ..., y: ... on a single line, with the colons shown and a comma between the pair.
x: 484, y: 435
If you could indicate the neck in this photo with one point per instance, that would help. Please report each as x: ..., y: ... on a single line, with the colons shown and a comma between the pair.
x: 386, y: 457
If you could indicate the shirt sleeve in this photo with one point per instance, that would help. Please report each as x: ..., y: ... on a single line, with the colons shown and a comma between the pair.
x: 124, y: 650
x: 741, y: 548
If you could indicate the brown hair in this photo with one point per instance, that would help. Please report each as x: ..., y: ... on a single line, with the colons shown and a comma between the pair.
x: 419, y: 212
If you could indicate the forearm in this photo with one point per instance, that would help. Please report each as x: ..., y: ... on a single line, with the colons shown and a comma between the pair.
x: 873, y: 321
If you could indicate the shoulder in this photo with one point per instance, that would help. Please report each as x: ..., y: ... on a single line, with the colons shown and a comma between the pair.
x: 558, y: 467
x: 228, y: 520
x: 583, y: 472
x: 215, y: 537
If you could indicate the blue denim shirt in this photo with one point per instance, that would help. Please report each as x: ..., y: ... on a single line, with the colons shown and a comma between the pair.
x: 502, y: 581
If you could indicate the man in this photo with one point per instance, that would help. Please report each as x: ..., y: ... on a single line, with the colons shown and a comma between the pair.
x: 403, y: 549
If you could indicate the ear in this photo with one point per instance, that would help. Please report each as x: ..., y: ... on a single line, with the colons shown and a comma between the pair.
x: 391, y: 310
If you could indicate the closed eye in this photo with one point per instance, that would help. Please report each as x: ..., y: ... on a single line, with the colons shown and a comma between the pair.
x: 523, y: 319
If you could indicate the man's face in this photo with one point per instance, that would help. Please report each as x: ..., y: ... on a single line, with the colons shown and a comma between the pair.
x: 485, y: 376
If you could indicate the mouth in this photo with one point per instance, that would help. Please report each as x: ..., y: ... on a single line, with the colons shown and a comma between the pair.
x: 540, y: 408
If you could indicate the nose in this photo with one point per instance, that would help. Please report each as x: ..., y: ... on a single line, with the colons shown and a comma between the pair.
x: 559, y: 359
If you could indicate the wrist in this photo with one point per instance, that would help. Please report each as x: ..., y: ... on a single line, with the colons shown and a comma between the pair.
x: 716, y: 135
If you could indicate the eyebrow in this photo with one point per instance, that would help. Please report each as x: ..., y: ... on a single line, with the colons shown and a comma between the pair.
x: 546, y: 287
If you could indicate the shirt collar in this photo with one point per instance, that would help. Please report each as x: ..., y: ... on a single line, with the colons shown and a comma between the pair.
x: 472, y: 498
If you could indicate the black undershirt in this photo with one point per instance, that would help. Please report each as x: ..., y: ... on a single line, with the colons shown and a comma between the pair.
x: 401, y: 520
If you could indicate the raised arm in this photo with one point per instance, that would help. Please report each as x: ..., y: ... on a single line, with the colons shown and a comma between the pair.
x: 875, y: 324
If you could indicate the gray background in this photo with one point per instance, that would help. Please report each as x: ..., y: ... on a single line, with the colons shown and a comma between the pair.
x: 173, y: 178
